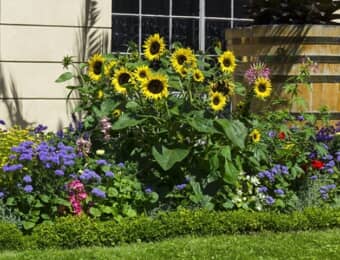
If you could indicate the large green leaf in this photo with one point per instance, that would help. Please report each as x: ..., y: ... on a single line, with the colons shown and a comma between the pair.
x: 166, y: 158
x: 234, y: 130
x: 64, y: 77
x: 125, y: 121
x: 230, y: 173
x: 202, y: 125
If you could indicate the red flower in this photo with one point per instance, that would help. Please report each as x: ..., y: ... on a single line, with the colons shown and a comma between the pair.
x: 316, y: 164
x: 281, y: 135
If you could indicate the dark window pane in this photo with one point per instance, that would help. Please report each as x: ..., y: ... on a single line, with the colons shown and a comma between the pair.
x: 241, y: 23
x: 186, y: 32
x: 151, y: 25
x: 155, y: 6
x: 125, y: 6
x: 218, y: 8
x: 124, y: 29
x: 185, y: 7
x: 215, y: 31
x: 239, y: 10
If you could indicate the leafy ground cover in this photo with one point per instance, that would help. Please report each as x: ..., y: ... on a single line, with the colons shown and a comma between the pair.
x: 322, y: 244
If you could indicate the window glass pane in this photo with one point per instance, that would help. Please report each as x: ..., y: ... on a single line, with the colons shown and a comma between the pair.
x: 218, y: 8
x: 185, y: 7
x: 241, y: 23
x: 124, y: 29
x: 125, y: 6
x: 155, y: 6
x: 186, y: 32
x: 215, y: 35
x: 151, y: 25
x: 239, y: 10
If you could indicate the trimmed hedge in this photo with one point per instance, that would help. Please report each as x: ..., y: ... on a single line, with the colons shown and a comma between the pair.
x: 71, y: 232
x: 10, y: 237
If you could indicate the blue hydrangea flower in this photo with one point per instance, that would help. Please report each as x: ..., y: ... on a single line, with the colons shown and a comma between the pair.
x: 98, y: 193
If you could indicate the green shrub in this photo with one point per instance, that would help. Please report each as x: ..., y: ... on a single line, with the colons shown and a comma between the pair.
x: 82, y: 231
x: 10, y: 237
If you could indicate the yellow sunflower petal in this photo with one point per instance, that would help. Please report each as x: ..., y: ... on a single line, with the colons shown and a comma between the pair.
x: 121, y: 77
x: 262, y: 88
x: 198, y: 75
x: 96, y: 63
x: 218, y: 101
x: 227, y: 62
x: 154, y: 47
x: 142, y: 73
x: 255, y: 136
x: 155, y: 87
x: 183, y: 58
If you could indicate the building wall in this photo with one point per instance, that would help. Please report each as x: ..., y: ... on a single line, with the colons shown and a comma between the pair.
x: 34, y: 37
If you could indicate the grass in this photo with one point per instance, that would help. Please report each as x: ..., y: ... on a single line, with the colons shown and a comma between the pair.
x: 295, y: 245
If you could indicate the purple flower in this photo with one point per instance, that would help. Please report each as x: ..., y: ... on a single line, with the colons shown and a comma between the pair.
x: 28, y: 188
x: 314, y: 177
x: 59, y: 172
x: 27, y: 179
x: 101, y: 162
x: 88, y: 175
x: 270, y: 200
x: 109, y: 174
x: 26, y: 157
x: 98, y: 193
x: 300, y: 118
x: 39, y: 129
x: 12, y: 168
x: 181, y: 186
x: 148, y: 190
x: 60, y: 134
x: 279, y: 192
x: 325, y: 189
x: 262, y: 189
x: 2, y: 194
x: 121, y: 164
x: 12, y: 157
x: 2, y: 122
x: 271, y: 134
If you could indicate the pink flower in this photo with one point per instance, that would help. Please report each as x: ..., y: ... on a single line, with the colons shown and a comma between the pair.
x: 82, y: 196
x: 255, y: 71
x: 76, y: 185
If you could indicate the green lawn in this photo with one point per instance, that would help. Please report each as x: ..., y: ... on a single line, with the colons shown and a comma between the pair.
x: 299, y: 245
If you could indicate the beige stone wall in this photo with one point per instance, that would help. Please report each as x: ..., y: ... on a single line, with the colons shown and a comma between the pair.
x: 34, y: 37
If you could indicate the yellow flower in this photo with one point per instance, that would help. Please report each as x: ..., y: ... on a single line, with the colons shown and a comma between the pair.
x: 96, y: 63
x: 226, y: 87
x: 227, y: 62
x: 289, y: 146
x: 182, y: 58
x: 121, y: 77
x: 198, y: 75
x: 255, y: 136
x: 154, y: 47
x: 142, y: 73
x: 100, y: 94
x: 262, y: 88
x: 108, y: 68
x: 217, y: 101
x: 116, y: 113
x: 100, y: 152
x: 155, y: 87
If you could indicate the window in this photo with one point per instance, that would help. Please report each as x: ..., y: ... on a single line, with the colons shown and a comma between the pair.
x: 196, y: 23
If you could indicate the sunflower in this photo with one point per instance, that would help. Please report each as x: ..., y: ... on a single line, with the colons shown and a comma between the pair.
x: 116, y: 113
x: 262, y: 88
x: 198, y: 75
x: 227, y: 62
x: 142, y: 73
x: 100, y: 94
x: 121, y: 77
x: 225, y: 86
x: 108, y: 68
x: 155, y: 87
x: 154, y: 47
x: 255, y: 135
x: 96, y: 63
x: 182, y: 57
x: 217, y: 101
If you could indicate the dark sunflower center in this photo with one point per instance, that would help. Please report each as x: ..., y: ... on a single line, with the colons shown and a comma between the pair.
x: 226, y: 62
x: 155, y: 47
x: 123, y: 78
x: 181, y: 59
x: 255, y: 136
x: 142, y: 74
x: 155, y: 86
x: 262, y: 88
x: 216, y: 100
x: 97, y: 67
x: 197, y: 76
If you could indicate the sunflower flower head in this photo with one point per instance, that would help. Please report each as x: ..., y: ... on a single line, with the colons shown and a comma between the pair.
x: 227, y: 62
x: 116, y: 113
x: 226, y: 87
x: 155, y: 87
x: 262, y: 88
x: 100, y: 94
x: 142, y: 73
x: 198, y: 75
x: 108, y: 68
x: 217, y: 101
x: 255, y: 136
x: 183, y: 58
x: 121, y: 77
x: 154, y: 47
x: 96, y: 64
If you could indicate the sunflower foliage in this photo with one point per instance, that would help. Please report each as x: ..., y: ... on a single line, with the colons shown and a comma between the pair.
x: 169, y: 111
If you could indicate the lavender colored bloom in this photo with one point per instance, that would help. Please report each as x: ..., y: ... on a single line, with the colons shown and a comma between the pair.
x: 60, y: 134
x: 28, y: 188
x: 98, y: 193
x: 39, y: 129
x: 330, y: 171
x: 121, y: 164
x: 262, y: 189
x: 88, y: 175
x: 148, y: 190
x: 73, y: 176
x: 325, y: 189
x: 300, y: 118
x: 59, y: 172
x: 181, y: 186
x: 2, y: 194
x: 312, y: 155
x: 12, y: 168
x: 101, y: 162
x: 271, y: 134
x: 2, y: 122
x: 26, y: 157
x: 12, y: 157
x: 279, y: 192
x: 109, y: 174
x: 330, y: 164
x: 70, y: 128
x: 270, y: 200
x: 255, y: 71
x: 27, y: 179
x: 314, y: 177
